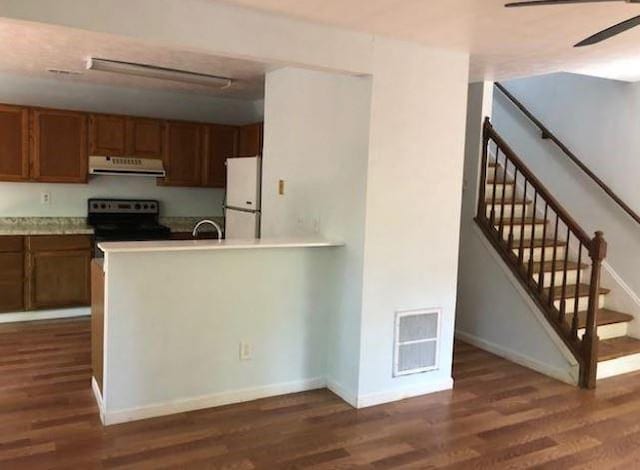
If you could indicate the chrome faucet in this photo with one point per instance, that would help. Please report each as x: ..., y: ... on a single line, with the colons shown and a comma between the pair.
x: 210, y: 222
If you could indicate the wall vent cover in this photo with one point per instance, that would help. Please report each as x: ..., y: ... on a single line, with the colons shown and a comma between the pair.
x: 416, y: 342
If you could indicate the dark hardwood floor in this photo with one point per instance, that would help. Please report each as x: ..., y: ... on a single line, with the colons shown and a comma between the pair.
x: 500, y: 415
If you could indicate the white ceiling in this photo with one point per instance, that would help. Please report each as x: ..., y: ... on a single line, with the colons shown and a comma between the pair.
x: 30, y: 49
x: 504, y: 43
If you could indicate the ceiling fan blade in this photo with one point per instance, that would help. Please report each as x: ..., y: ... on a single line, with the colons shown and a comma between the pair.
x: 533, y: 3
x: 610, y: 32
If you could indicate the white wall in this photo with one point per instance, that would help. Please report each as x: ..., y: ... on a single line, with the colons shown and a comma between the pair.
x: 180, y: 346
x: 493, y: 311
x: 23, y: 199
x: 414, y: 191
x: 600, y: 121
x: 316, y: 140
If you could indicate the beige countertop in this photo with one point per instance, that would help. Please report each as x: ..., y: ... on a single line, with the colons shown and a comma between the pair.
x: 78, y: 225
x: 186, y: 224
x: 44, y: 226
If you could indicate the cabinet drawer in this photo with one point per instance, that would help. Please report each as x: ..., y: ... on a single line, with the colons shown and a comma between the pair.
x: 11, y: 244
x: 59, y: 242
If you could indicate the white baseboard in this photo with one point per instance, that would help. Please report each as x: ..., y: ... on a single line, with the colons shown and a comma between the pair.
x: 209, y: 401
x: 44, y: 315
x: 98, y: 396
x: 343, y: 393
x: 569, y: 375
x: 373, y: 399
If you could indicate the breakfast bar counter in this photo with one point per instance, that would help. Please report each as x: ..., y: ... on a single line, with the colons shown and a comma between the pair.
x: 200, y: 323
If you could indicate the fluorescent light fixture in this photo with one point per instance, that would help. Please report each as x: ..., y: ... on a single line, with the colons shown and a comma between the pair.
x: 161, y: 73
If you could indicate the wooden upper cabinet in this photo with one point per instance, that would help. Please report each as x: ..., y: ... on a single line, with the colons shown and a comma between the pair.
x: 107, y: 135
x: 59, y: 146
x: 14, y: 143
x: 144, y: 137
x: 250, y: 140
x: 221, y: 143
x: 183, y: 149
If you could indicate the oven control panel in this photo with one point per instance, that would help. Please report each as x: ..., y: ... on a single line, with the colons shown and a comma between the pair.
x: 123, y: 206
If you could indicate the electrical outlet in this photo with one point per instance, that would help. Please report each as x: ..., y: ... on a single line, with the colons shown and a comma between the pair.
x: 246, y: 351
x: 45, y: 198
x: 281, y: 187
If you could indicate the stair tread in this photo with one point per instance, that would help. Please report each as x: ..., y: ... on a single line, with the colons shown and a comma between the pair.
x: 582, y: 290
x: 538, y: 243
x: 509, y: 201
x: 501, y: 180
x: 605, y: 317
x: 559, y: 266
x: 518, y: 221
x: 615, y: 348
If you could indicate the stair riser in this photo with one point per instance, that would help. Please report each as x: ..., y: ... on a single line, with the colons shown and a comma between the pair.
x: 508, y: 192
x: 615, y: 330
x: 537, y: 253
x: 621, y: 365
x: 537, y: 230
x: 491, y: 172
x: 572, y: 276
x: 583, y: 303
x: 518, y: 210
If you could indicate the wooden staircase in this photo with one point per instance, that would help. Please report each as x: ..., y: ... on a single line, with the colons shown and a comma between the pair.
x: 554, y: 259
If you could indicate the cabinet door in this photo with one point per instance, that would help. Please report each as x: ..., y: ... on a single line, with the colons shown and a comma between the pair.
x: 221, y: 143
x: 107, y: 135
x: 59, y: 279
x: 11, y: 274
x: 250, y: 140
x: 183, y: 154
x: 144, y: 137
x: 58, y: 271
x: 59, y: 146
x: 14, y: 143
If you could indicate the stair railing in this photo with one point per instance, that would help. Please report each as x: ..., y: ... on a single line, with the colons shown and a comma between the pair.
x: 550, y: 226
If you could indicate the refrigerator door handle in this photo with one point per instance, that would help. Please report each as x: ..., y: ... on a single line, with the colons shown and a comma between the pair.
x: 241, y: 209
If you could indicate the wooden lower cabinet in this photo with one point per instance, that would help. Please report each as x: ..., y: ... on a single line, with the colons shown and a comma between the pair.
x: 11, y: 274
x: 58, y: 271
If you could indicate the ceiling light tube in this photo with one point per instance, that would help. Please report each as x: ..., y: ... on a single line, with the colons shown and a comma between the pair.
x: 161, y: 73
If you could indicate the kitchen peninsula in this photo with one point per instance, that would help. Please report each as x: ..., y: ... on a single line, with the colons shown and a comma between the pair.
x: 183, y: 325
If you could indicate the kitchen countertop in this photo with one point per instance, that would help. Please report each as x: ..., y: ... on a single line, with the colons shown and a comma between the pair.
x: 186, y: 224
x: 208, y: 245
x: 44, y: 226
x: 78, y: 225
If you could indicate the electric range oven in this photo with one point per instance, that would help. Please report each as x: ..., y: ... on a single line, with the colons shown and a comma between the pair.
x: 116, y: 220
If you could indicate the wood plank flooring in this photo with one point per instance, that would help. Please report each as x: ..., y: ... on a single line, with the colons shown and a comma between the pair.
x: 500, y: 415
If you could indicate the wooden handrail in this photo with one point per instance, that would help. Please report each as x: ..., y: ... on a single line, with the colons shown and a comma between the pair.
x: 547, y: 134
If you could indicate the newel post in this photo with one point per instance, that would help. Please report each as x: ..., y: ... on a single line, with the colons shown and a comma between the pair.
x: 590, y: 340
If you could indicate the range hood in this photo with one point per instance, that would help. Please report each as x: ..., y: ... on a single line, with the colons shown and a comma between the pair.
x: 126, y: 166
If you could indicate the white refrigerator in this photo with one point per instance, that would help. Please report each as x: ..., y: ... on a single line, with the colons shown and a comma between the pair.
x: 242, y: 204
